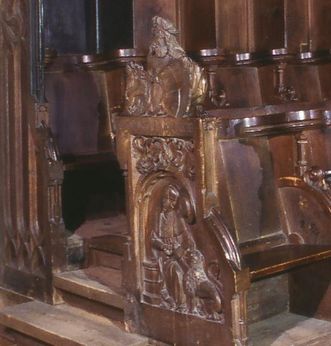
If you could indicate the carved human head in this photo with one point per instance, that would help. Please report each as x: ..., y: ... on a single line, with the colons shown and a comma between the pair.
x: 170, y: 197
x: 160, y: 24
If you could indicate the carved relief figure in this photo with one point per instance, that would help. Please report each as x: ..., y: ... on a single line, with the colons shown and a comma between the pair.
x: 171, y: 240
x: 185, y: 286
x: 173, y: 84
x: 202, y: 294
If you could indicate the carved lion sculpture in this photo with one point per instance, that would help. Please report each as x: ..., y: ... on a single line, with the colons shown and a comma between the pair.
x: 202, y: 294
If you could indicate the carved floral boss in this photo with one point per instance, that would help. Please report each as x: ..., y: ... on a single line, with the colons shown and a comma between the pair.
x: 164, y: 154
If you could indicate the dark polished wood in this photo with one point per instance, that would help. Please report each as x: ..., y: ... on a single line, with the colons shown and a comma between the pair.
x: 282, y: 258
x: 32, y: 232
x: 216, y: 117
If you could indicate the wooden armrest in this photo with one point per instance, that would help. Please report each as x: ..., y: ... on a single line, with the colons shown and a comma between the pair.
x: 282, y: 258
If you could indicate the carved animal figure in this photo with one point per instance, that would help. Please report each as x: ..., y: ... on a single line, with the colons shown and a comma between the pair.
x: 137, y: 93
x: 202, y: 294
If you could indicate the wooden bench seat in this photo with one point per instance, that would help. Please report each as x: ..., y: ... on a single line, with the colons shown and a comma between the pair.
x: 283, y: 258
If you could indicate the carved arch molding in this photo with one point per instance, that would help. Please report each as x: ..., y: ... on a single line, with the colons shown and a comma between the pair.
x: 175, y: 274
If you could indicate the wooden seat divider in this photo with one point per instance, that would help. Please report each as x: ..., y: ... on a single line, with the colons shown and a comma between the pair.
x: 248, y: 217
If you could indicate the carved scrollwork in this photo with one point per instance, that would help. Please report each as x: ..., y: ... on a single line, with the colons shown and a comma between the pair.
x: 318, y: 178
x: 173, y: 84
x: 175, y: 271
x: 164, y: 154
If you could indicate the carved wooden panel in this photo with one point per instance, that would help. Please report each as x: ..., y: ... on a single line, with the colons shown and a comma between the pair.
x: 29, y: 186
x: 14, y: 144
x: 307, y: 25
x: 202, y: 36
x: 174, y: 272
x: 164, y: 154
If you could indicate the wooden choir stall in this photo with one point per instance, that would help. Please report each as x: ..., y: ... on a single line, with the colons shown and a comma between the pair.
x: 165, y: 172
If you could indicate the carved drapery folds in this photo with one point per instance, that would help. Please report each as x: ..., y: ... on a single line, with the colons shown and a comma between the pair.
x: 164, y: 154
x: 172, y: 85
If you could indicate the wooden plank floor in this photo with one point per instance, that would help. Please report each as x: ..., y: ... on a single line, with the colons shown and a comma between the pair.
x: 289, y: 329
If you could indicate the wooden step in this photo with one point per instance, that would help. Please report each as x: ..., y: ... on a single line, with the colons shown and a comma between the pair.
x: 104, y: 241
x: 66, y: 326
x: 100, y: 284
x: 106, y: 250
x: 113, y: 243
x: 116, y: 225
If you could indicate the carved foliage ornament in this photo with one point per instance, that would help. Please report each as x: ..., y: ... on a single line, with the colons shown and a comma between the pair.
x: 172, y: 85
x: 164, y: 154
x: 181, y: 281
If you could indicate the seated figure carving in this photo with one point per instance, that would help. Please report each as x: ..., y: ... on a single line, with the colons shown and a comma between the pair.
x: 171, y: 239
x: 186, y: 286
x: 173, y: 84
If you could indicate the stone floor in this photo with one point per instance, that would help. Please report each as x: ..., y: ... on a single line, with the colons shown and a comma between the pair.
x: 289, y: 329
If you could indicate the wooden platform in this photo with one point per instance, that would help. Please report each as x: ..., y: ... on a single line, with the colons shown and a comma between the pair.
x: 116, y: 225
x: 64, y: 325
x: 289, y: 329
